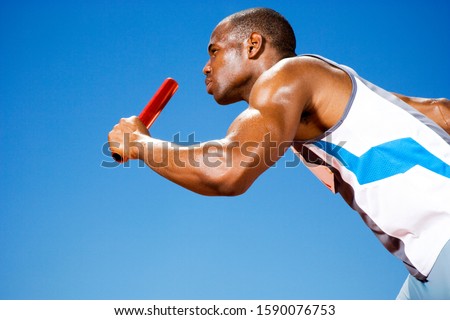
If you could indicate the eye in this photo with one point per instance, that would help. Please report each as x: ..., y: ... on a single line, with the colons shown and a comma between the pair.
x: 213, y: 52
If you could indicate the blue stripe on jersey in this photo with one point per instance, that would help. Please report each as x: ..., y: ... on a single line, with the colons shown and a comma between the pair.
x: 386, y: 160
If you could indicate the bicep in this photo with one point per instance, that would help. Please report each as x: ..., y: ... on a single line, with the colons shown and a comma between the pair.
x: 255, y: 141
x: 263, y: 132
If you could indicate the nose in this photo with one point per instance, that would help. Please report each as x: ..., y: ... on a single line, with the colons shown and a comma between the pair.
x: 207, y: 68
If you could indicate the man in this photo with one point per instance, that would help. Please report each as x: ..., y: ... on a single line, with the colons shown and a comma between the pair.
x: 387, y: 155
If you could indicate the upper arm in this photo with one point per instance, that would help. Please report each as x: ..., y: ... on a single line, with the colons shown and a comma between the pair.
x: 437, y: 110
x: 260, y: 135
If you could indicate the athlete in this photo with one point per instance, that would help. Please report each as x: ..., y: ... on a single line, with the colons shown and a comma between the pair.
x: 386, y: 154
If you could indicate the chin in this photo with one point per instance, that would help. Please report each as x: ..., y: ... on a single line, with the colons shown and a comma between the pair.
x: 223, y: 103
x: 224, y: 100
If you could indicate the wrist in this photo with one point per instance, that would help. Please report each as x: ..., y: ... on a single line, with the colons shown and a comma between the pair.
x: 138, y: 147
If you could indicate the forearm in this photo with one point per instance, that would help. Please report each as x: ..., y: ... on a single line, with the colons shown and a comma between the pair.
x: 206, y: 168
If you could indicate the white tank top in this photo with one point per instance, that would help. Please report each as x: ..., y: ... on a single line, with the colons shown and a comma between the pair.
x: 392, y: 165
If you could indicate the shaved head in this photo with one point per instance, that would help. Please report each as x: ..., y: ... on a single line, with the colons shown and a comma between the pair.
x: 267, y: 22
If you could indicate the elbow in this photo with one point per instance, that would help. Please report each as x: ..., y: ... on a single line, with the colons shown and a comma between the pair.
x: 231, y: 190
x: 228, y: 185
x: 443, y: 103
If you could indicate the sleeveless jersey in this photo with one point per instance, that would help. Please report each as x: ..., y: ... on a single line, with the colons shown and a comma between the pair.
x: 392, y: 165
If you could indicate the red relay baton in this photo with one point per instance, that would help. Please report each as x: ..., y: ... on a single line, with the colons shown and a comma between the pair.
x: 154, y: 107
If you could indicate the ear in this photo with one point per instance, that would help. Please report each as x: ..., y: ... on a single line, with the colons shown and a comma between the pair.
x: 254, y: 45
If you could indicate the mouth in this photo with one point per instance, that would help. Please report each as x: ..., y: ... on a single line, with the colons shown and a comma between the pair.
x: 208, y: 83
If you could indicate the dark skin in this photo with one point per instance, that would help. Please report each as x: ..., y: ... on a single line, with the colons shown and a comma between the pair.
x: 289, y: 98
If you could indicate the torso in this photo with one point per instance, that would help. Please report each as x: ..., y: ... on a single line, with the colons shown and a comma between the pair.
x: 382, y: 156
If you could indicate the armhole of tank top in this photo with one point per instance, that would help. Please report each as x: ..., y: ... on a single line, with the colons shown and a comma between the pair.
x: 348, y: 71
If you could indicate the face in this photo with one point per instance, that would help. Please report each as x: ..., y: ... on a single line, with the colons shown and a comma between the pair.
x: 225, y: 69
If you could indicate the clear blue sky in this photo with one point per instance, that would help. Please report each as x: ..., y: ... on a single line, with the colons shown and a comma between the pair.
x: 72, y: 229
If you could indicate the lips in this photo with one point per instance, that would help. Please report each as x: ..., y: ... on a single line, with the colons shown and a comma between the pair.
x: 208, y: 83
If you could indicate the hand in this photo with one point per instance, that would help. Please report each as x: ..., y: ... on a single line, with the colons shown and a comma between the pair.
x: 127, y: 138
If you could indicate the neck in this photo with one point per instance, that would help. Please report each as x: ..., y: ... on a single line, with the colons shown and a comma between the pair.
x: 260, y: 66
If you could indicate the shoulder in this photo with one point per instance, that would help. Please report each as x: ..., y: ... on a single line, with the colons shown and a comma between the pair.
x: 291, y: 80
x: 298, y: 66
x: 287, y: 68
